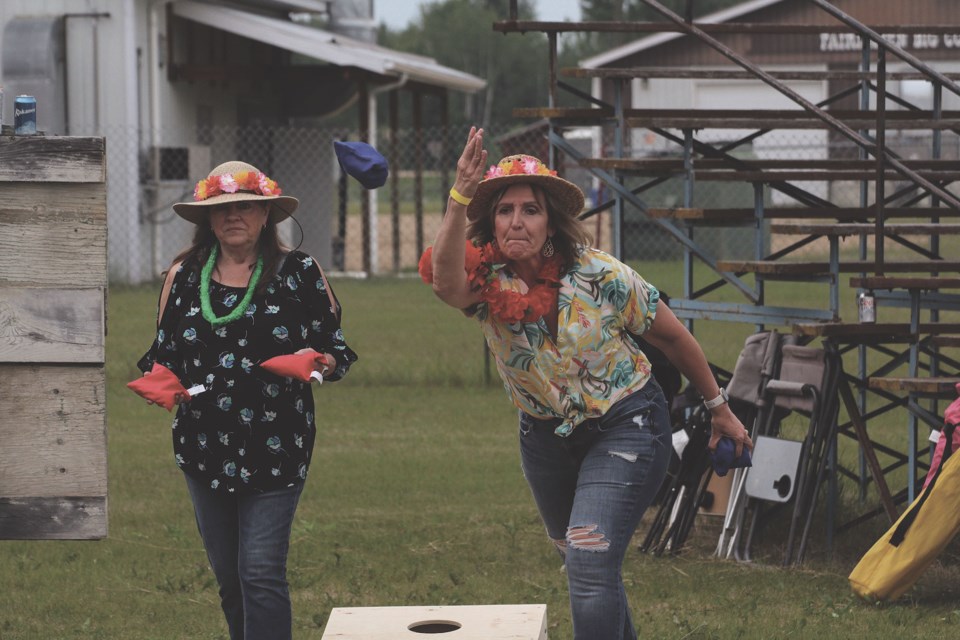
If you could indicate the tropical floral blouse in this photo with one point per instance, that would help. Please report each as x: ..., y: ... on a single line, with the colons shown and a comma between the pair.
x: 251, y: 430
x: 591, y: 363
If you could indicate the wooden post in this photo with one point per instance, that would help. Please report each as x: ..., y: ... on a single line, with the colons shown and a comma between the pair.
x: 394, y: 117
x: 53, y: 280
x: 418, y: 147
x: 363, y: 104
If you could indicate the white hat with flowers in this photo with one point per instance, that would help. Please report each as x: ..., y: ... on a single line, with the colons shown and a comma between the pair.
x: 233, y: 181
x: 523, y: 168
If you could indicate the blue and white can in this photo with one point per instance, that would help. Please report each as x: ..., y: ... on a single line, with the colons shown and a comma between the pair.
x: 25, y: 116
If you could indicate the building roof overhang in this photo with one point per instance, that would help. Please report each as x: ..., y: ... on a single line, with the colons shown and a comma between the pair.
x: 328, y: 47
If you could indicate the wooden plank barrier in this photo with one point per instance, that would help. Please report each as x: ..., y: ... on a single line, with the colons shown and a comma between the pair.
x: 53, y: 280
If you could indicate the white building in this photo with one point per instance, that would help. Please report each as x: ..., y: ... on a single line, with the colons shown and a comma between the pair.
x: 178, y: 86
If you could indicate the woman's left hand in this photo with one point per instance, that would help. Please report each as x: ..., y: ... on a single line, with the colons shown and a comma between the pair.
x: 723, y: 422
x: 324, y: 361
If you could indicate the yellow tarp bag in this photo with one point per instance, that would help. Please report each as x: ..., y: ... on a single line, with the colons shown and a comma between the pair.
x: 904, y: 552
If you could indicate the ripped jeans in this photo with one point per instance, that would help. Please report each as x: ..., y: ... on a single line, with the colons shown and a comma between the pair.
x: 591, y: 489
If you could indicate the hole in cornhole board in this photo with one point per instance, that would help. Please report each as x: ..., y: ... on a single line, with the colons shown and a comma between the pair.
x: 434, y: 626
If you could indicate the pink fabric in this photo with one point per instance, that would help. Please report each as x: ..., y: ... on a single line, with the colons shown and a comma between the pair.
x: 160, y: 386
x: 950, y: 416
x: 295, y: 366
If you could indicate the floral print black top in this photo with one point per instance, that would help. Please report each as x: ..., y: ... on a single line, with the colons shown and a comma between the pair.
x: 251, y: 430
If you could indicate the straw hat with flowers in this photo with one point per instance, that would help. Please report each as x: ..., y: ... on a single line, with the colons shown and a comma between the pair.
x: 233, y: 181
x: 523, y: 168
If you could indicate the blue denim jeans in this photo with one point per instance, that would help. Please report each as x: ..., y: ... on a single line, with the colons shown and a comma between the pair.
x: 591, y: 489
x: 247, y: 538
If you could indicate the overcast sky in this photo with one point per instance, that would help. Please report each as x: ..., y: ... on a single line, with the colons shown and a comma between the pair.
x: 398, y: 13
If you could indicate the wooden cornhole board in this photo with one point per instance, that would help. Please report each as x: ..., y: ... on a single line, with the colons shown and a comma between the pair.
x: 53, y: 279
x: 471, y: 622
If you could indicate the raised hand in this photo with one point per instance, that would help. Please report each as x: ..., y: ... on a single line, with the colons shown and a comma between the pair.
x: 472, y: 164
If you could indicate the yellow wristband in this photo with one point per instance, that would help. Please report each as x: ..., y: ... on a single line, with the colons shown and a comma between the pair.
x: 459, y: 197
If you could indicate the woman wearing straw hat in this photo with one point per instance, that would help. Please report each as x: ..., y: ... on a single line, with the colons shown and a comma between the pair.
x: 595, y: 433
x: 235, y: 298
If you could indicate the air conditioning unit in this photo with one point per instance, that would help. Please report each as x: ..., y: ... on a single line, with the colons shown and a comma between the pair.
x: 178, y: 164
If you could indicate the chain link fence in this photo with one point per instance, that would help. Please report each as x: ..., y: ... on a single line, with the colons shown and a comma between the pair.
x: 383, y: 232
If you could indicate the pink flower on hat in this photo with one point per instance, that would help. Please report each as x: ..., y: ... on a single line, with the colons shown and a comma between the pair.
x: 228, y: 184
x: 518, y: 165
x: 493, y: 172
x: 268, y: 187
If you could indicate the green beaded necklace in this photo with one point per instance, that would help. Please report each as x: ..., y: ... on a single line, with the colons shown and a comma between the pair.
x: 205, y: 307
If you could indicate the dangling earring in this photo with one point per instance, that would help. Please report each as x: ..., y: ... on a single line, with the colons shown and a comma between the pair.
x: 548, y: 248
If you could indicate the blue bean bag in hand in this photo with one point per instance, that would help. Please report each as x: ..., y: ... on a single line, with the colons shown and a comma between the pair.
x: 724, y: 457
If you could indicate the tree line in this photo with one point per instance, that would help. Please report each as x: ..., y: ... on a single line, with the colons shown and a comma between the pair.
x: 459, y: 34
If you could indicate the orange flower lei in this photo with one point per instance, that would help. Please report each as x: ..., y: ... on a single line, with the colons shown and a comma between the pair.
x: 482, y: 264
x: 252, y: 181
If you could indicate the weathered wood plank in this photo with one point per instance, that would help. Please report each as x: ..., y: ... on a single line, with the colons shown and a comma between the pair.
x: 51, y: 325
x: 772, y: 268
x: 757, y: 164
x: 48, y: 249
x: 38, y: 199
x: 874, y: 331
x: 887, y: 282
x: 657, y: 167
x: 741, y: 118
x: 53, y: 159
x: 53, y: 430
x: 67, y: 518
x: 852, y: 228
x: 853, y: 214
x: 944, y: 387
x: 945, y: 341
x: 748, y: 122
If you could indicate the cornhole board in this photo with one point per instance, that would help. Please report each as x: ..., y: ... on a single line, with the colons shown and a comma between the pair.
x: 470, y: 622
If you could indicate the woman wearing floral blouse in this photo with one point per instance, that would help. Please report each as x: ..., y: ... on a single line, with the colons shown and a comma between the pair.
x: 594, y: 427
x: 235, y: 298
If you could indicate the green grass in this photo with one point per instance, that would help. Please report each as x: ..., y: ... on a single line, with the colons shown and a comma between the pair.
x: 415, y: 497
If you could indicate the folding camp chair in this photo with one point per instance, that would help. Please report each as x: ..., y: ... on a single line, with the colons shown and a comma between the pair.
x: 793, y: 471
x: 685, y: 490
x: 757, y: 364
